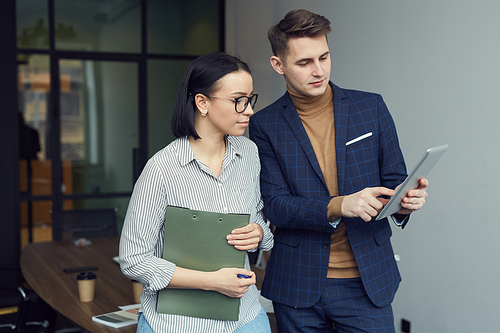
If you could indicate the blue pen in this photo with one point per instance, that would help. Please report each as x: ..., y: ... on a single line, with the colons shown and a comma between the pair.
x: 243, y: 276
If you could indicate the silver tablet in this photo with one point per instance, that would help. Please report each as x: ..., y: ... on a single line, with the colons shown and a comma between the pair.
x: 420, y: 170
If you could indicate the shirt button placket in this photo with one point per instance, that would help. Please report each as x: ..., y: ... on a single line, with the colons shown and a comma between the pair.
x: 223, y: 196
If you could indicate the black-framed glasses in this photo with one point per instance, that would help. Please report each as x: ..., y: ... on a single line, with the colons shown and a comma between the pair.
x: 241, y: 103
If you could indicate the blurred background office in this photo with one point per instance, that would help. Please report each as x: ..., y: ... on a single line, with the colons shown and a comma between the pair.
x: 87, y: 89
x: 97, y: 80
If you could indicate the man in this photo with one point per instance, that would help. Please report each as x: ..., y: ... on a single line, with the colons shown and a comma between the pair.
x: 330, y: 158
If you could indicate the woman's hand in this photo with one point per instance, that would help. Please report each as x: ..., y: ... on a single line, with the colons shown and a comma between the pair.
x: 246, y: 238
x: 224, y: 281
x: 227, y: 282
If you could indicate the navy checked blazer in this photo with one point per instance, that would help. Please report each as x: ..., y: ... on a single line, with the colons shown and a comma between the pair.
x: 296, y: 196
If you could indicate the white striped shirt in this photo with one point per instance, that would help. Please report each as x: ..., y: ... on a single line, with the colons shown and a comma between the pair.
x: 174, y: 176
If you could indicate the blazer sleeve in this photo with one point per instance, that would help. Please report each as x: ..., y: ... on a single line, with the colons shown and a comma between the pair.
x: 281, y: 206
x: 392, y: 166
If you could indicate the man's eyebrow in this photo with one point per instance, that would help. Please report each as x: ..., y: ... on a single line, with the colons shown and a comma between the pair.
x: 303, y: 59
x: 309, y: 59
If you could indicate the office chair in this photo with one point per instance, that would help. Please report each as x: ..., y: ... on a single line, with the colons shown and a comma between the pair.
x: 17, y: 305
x: 84, y: 223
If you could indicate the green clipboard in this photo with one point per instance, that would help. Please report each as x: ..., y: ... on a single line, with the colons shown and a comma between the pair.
x: 197, y: 240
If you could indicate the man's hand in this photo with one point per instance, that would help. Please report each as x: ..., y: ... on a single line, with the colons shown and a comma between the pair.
x: 246, y: 238
x: 414, y: 199
x: 366, y: 203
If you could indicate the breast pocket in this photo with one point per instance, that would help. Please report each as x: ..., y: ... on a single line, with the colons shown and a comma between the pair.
x: 359, y: 140
x: 361, y: 157
x: 244, y: 194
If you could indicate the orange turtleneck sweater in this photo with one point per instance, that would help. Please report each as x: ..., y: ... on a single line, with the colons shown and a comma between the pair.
x: 316, y: 114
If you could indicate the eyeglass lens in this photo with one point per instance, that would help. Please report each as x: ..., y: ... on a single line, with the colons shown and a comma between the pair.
x: 243, y: 101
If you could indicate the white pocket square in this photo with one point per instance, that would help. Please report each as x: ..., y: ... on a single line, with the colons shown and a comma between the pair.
x: 359, y: 138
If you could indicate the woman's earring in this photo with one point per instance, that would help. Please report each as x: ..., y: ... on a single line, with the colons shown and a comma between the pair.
x: 204, y: 114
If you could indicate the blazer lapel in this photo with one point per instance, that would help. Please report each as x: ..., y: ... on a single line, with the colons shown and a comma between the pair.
x: 341, y: 112
x: 293, y: 119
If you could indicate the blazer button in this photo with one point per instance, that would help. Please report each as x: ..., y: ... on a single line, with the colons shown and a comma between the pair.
x: 324, y: 245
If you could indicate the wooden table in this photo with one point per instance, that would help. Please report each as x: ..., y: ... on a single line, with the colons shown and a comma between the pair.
x: 42, y: 265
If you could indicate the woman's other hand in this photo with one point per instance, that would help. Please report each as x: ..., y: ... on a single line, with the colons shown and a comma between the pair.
x: 247, y: 237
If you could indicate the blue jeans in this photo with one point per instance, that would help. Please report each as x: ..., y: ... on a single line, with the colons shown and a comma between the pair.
x: 143, y: 325
x: 259, y: 324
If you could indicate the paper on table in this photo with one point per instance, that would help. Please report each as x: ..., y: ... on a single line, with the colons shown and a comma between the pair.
x: 124, y: 317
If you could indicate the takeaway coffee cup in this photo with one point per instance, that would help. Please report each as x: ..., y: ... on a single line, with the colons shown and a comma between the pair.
x: 86, y: 286
x: 137, y: 290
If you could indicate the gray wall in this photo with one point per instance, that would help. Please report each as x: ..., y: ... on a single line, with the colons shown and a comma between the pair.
x: 437, y: 65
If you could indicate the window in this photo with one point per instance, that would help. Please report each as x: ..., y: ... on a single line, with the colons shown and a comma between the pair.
x: 97, y: 82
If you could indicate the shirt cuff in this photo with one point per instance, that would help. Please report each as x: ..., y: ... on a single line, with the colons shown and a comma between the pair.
x: 335, y: 223
x: 334, y: 211
x: 267, y: 241
x: 399, y: 219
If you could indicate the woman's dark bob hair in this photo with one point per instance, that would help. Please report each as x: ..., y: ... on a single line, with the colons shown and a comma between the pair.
x: 201, y: 78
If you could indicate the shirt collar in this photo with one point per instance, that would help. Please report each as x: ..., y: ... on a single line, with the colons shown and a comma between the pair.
x: 234, y: 145
x: 185, y: 153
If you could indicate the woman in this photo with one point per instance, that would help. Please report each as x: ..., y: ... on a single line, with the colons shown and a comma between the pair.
x: 209, y: 167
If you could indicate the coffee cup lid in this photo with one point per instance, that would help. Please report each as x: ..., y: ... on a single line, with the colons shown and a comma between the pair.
x: 86, y: 276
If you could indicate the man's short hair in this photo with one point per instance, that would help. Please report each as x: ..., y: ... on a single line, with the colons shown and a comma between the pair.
x: 296, y: 23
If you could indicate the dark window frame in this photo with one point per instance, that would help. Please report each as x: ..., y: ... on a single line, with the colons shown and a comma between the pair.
x: 54, y: 108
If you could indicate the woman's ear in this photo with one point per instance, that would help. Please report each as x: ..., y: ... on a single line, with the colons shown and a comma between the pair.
x: 201, y: 101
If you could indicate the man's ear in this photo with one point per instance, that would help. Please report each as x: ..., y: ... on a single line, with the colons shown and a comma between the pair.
x: 277, y: 64
x: 201, y: 101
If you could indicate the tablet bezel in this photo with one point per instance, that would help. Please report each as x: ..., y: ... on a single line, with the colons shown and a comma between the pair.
x: 420, y: 170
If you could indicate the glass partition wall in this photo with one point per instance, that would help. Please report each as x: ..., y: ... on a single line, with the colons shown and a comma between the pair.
x: 97, y: 82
